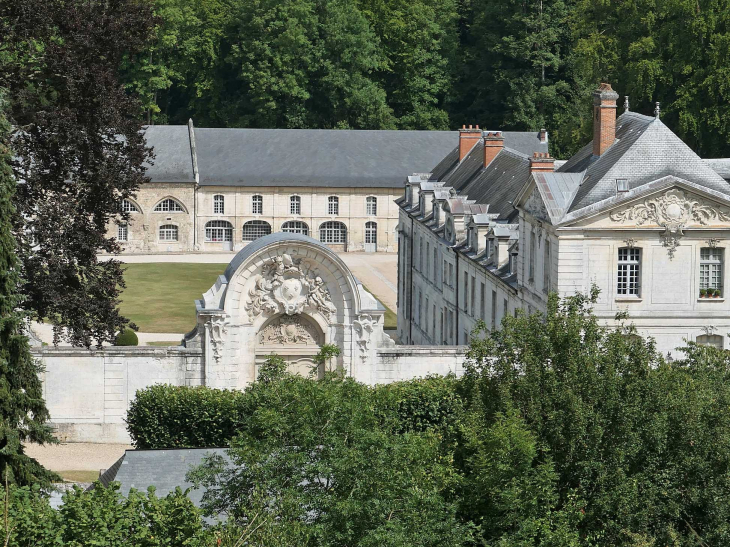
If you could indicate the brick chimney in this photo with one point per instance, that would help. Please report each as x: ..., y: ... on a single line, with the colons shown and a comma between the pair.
x: 604, y: 118
x: 541, y: 162
x: 493, y: 143
x: 468, y: 137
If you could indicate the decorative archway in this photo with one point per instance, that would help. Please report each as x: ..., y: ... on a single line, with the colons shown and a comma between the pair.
x: 295, y: 338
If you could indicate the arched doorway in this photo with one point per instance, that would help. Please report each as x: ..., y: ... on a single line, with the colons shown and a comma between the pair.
x: 296, y: 338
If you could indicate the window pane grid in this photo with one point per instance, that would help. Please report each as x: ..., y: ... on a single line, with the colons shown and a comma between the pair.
x: 257, y: 205
x: 372, y: 206
x: 255, y: 229
x: 295, y: 205
x: 295, y: 227
x: 122, y: 232
x: 333, y: 232
x: 218, y: 230
x: 371, y: 232
x: 168, y: 232
x: 129, y: 207
x: 168, y: 206
x: 218, y: 205
x: 333, y: 205
x: 711, y: 260
x: 628, y: 271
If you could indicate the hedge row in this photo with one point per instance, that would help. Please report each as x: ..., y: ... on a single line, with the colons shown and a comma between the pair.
x: 165, y: 416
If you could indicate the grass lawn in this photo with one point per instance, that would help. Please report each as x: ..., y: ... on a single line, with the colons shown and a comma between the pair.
x: 79, y: 476
x: 160, y: 296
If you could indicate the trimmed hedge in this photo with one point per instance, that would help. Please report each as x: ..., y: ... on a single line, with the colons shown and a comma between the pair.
x: 126, y: 338
x: 165, y: 416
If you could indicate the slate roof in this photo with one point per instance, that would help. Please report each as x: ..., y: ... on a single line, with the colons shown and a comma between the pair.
x: 557, y: 191
x: 645, y: 150
x: 163, y: 469
x: 173, y: 161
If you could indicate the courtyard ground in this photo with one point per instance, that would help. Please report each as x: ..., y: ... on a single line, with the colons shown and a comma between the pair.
x: 161, y: 290
x: 77, y: 462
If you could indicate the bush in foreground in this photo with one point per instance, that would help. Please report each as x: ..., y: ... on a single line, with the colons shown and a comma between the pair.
x: 126, y: 338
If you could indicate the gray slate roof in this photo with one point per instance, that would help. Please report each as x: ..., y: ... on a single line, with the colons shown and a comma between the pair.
x: 645, y: 150
x: 163, y: 469
x: 557, y: 191
x: 173, y: 161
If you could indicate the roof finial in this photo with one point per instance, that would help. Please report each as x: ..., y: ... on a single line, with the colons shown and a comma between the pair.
x: 657, y: 110
x: 626, y: 103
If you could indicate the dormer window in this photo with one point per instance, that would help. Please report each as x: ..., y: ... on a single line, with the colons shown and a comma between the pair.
x: 512, y: 268
x: 490, y: 247
x: 622, y: 185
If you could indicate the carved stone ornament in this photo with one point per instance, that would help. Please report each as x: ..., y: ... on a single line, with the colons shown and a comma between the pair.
x: 672, y: 211
x: 364, y: 326
x: 288, y: 286
x: 217, y: 329
x: 709, y: 330
x: 288, y: 330
x: 630, y: 242
x: 713, y: 242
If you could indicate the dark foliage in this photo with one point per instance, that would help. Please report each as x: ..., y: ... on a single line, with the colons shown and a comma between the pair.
x: 78, y: 153
x: 126, y: 338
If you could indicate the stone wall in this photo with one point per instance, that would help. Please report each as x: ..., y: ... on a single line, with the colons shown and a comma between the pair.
x: 88, y: 391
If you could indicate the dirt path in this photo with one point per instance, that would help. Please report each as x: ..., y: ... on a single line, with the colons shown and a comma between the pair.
x: 89, y: 457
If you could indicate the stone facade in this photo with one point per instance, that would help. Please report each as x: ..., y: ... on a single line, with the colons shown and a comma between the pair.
x: 640, y: 216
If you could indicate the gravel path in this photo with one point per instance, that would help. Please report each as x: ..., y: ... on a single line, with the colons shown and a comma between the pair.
x: 76, y: 456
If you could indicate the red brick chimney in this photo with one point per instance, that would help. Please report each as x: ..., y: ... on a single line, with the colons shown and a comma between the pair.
x: 493, y: 143
x: 541, y: 162
x: 604, y: 118
x: 468, y: 137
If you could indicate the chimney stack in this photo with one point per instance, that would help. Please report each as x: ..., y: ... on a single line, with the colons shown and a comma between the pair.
x: 604, y: 118
x: 541, y: 162
x: 493, y: 144
x: 543, y: 135
x: 468, y: 137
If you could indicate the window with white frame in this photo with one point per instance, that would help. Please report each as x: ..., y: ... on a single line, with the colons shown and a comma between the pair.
x: 122, y: 232
x: 531, y: 265
x: 711, y: 259
x: 371, y: 232
x: 168, y: 205
x: 714, y: 340
x: 219, y: 203
x: 333, y: 205
x: 295, y: 227
x: 257, y: 205
x: 333, y: 232
x: 218, y: 230
x: 629, y: 271
x: 546, y: 267
x: 254, y: 229
x: 371, y: 206
x: 168, y: 232
x: 295, y: 205
x: 129, y: 207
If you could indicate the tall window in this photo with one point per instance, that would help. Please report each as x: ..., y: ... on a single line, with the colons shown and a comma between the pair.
x: 428, y: 264
x: 333, y: 232
x: 371, y: 206
x: 254, y: 229
x: 218, y: 230
x: 371, y: 232
x: 168, y: 232
x: 219, y: 205
x: 494, y: 310
x: 333, y: 205
x: 466, y: 292
x: 295, y: 205
x: 473, y: 295
x: 490, y: 247
x: 257, y: 205
x: 482, y: 303
x: 295, y: 227
x: 710, y: 271
x: 435, y: 265
x: 531, y: 266
x: 169, y: 206
x: 129, y: 207
x: 546, y: 268
x: 629, y: 269
x: 122, y: 232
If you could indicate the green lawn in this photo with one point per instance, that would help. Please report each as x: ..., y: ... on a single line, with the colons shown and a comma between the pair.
x: 160, y: 296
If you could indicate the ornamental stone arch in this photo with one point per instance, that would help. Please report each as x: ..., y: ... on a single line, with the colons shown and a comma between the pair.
x: 289, y: 294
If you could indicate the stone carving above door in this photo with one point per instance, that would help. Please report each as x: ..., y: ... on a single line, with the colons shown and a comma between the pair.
x: 289, y: 330
x: 288, y: 286
x: 673, y: 211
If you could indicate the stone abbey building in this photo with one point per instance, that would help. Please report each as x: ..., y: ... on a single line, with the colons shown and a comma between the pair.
x: 636, y: 212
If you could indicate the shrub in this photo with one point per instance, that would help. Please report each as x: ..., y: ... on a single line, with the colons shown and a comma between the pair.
x: 165, y: 416
x: 126, y: 338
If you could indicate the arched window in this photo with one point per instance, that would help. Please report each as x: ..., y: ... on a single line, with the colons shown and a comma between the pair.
x: 333, y: 232
x: 254, y: 229
x: 371, y: 205
x: 218, y: 230
x: 714, y: 340
x: 295, y: 227
x: 257, y: 205
x: 168, y: 232
x: 219, y: 205
x: 333, y: 205
x: 295, y: 205
x: 169, y: 205
x: 129, y: 207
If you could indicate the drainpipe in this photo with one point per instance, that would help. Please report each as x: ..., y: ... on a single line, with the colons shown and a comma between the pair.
x: 196, y: 175
x: 410, y: 287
